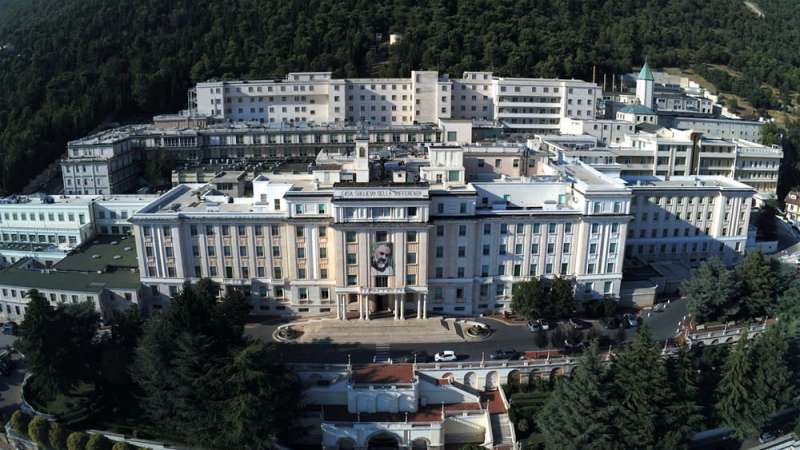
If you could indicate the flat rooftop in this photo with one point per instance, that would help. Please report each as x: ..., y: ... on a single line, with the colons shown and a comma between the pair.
x: 383, y: 374
x: 69, y: 281
x: 100, y: 254
x: 697, y: 181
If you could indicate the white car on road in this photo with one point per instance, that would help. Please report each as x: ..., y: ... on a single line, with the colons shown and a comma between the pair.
x: 445, y: 356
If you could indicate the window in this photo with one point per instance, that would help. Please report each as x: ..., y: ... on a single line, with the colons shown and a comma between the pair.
x: 462, y: 251
x: 486, y: 250
x: 595, y: 228
x: 439, y: 230
x: 411, y: 279
x: 411, y: 258
x: 551, y: 228
x: 411, y: 236
x: 439, y: 252
x: 277, y: 273
x: 503, y: 228
x: 487, y: 228
x: 453, y: 175
x: 567, y: 228
x: 351, y: 258
x: 535, y: 249
x: 352, y: 280
x: 350, y: 236
x: 501, y: 270
x: 301, y: 252
x: 299, y: 231
x: 412, y: 211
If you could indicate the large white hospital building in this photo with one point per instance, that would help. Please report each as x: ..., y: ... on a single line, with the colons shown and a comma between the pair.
x: 525, y: 104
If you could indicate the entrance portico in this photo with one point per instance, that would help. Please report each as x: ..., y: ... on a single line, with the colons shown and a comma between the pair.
x: 369, y: 303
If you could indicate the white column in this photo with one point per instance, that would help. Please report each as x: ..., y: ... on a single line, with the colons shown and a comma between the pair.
x: 360, y: 308
x: 402, y: 307
x: 419, y: 306
x: 343, y: 306
x: 366, y: 307
x: 424, y: 306
x: 338, y: 307
x: 396, y: 310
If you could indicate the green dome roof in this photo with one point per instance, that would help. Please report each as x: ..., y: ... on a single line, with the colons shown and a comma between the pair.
x: 645, y: 73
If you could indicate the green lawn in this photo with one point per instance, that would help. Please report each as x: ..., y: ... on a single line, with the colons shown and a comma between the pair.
x: 70, y: 404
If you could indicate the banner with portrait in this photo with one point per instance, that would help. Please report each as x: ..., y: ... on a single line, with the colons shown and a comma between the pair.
x: 382, y: 258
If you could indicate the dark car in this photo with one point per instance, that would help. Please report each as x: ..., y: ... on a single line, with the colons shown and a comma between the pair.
x: 580, y: 324
x: 571, y: 347
x: 10, y: 328
x: 630, y: 320
x: 612, y: 323
x: 421, y: 357
x: 504, y: 354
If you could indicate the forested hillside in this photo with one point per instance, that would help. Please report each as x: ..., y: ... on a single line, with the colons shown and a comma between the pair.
x: 74, y: 64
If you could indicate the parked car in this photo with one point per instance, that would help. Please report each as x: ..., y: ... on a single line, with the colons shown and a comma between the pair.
x: 445, y: 356
x: 421, y: 357
x: 766, y: 436
x: 571, y: 347
x: 612, y: 323
x: 6, y: 363
x: 630, y: 320
x: 10, y: 328
x: 504, y: 354
x: 540, y: 324
x: 580, y: 324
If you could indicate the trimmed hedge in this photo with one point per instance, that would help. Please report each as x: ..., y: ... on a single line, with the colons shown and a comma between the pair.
x: 57, y: 436
x: 19, y: 422
x: 98, y: 442
x: 77, y: 441
x: 38, y: 429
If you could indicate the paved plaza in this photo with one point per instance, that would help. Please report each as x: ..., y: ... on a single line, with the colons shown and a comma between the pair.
x: 381, y: 331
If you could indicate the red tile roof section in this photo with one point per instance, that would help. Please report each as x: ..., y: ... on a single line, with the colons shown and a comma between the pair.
x: 383, y: 374
x: 496, y: 405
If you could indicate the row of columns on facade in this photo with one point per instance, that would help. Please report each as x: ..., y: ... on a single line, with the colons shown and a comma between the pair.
x: 363, y: 307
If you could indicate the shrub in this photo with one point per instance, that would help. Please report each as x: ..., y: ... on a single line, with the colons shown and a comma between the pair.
x: 37, y: 430
x: 57, y: 436
x: 122, y: 446
x: 98, y: 442
x: 77, y: 441
x: 19, y: 422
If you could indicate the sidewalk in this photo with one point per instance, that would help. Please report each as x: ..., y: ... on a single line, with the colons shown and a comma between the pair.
x: 379, y: 331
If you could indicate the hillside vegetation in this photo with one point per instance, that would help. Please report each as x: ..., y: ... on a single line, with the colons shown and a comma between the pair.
x: 75, y: 64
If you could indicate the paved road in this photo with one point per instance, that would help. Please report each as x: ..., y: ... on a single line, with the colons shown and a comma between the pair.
x: 11, y: 384
x: 505, y: 336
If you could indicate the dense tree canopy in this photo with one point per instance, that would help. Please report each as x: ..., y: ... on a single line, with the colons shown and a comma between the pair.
x: 70, y: 65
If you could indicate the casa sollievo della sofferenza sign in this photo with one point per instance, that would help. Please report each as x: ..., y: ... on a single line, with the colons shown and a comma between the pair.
x: 380, y: 193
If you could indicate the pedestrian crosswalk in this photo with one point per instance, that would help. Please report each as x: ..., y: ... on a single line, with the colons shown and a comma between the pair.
x: 382, y: 353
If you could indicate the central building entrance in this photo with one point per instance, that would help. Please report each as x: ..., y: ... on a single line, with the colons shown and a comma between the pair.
x: 383, y: 441
x: 382, y: 303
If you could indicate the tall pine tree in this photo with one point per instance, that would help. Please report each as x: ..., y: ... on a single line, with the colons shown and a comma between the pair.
x: 642, y: 396
x: 735, y: 397
x: 686, y: 412
x: 711, y: 292
x: 756, y: 283
x: 577, y: 414
x: 773, y: 384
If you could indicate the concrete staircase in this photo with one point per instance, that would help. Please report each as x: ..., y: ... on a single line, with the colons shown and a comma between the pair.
x: 502, y: 431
